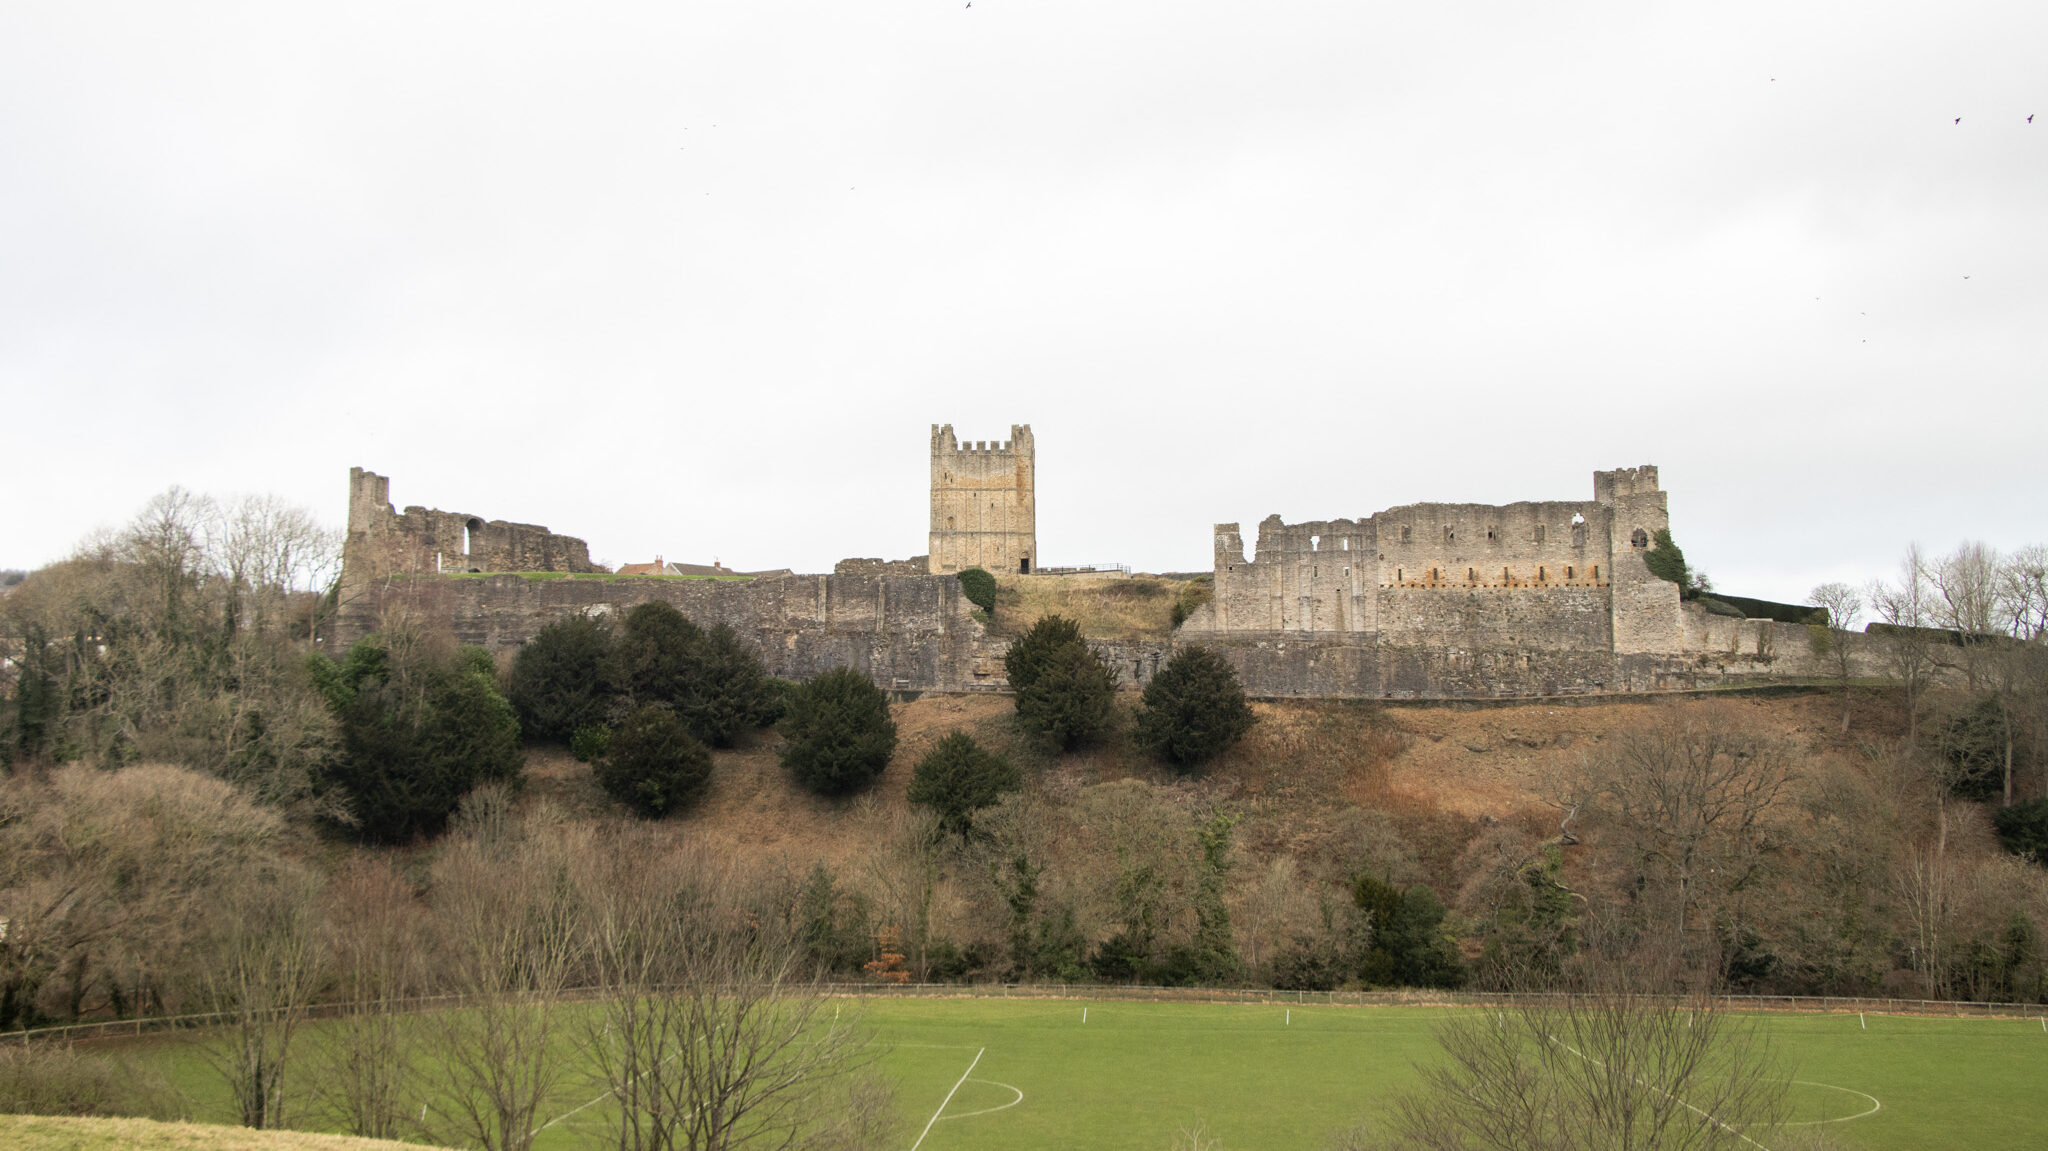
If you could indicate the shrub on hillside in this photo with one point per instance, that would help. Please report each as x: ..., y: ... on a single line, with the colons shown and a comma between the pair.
x: 558, y: 681
x: 1410, y: 947
x: 1066, y: 693
x: 959, y: 777
x: 1029, y: 654
x: 1193, y: 709
x: 733, y: 693
x: 1071, y: 700
x: 655, y: 766
x: 49, y: 1079
x: 420, y: 726
x: 2023, y: 829
x: 839, y: 733
x: 979, y: 587
x: 656, y: 655
x: 712, y: 679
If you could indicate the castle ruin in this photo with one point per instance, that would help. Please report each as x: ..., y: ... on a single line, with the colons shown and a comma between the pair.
x: 984, y: 509
x: 1555, y: 575
x: 1429, y: 600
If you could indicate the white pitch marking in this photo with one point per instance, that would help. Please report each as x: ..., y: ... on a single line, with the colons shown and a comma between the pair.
x: 948, y: 1099
x: 1863, y: 1021
x: 1875, y: 1106
x: 1084, y: 1015
x: 991, y: 1110
x: 1659, y: 1090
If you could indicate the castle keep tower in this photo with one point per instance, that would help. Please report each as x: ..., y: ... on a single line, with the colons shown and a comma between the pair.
x: 984, y: 510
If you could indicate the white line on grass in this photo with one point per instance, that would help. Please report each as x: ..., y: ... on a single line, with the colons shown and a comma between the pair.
x: 1659, y: 1090
x: 1875, y: 1106
x: 948, y: 1099
x: 990, y: 1110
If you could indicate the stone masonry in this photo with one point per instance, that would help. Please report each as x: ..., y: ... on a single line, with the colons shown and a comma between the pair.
x: 984, y: 510
x: 1423, y: 601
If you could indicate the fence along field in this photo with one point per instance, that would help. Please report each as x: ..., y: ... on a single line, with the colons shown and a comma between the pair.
x: 1031, y: 1073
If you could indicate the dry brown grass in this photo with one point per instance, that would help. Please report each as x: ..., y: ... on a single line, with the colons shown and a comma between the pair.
x: 52, y: 1133
x: 1435, y: 775
x: 1106, y: 607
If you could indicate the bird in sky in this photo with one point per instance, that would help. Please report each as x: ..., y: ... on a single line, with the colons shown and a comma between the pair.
x: 1959, y: 119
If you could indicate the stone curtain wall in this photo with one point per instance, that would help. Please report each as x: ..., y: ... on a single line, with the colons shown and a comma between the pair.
x: 984, y: 506
x: 1427, y: 601
x: 1552, y: 575
x: 909, y: 632
x: 915, y: 565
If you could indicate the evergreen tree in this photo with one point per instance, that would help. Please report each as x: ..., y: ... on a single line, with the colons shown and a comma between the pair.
x: 733, y: 694
x: 1030, y: 652
x: 420, y: 728
x: 655, y: 766
x: 1193, y: 709
x: 560, y: 678
x: 1071, y: 699
x: 959, y: 777
x: 657, y: 655
x: 838, y: 731
x: 979, y: 587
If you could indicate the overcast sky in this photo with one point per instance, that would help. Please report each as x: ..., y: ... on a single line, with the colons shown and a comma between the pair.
x: 696, y: 278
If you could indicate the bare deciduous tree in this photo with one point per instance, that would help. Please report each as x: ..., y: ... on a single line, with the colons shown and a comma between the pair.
x: 1844, y: 605
x: 366, y: 1065
x: 714, y: 1034
x: 1616, y: 1062
x: 1906, y: 608
x: 1688, y: 797
x: 260, y: 971
x: 507, y: 913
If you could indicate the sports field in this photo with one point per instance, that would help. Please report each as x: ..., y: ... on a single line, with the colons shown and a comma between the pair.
x: 994, y: 1074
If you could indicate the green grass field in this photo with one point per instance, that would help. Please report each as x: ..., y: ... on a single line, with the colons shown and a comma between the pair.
x: 1267, y: 1077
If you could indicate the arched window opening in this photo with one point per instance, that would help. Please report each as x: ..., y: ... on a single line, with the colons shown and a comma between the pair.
x: 469, y: 530
x: 1578, y: 532
x: 1315, y: 543
x: 1639, y: 538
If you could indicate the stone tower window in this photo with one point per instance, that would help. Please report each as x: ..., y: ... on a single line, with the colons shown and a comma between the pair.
x: 1578, y: 532
x: 1539, y: 533
x: 469, y: 530
x: 1492, y: 535
x: 1540, y: 575
x: 1471, y: 576
x: 1596, y: 573
x: 1639, y: 538
x: 1568, y: 573
x: 1407, y: 533
x: 1449, y: 535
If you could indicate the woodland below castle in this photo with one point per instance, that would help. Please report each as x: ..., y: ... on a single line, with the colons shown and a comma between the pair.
x: 1421, y: 601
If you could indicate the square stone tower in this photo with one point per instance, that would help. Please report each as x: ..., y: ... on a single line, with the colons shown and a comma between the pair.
x: 984, y: 510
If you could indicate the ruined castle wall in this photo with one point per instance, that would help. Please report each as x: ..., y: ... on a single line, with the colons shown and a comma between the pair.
x: 912, y: 632
x: 984, y: 507
x: 381, y: 543
x: 1646, y: 615
x: 1543, y: 545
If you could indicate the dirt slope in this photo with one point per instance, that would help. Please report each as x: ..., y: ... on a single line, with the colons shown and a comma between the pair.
x: 1441, y: 771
